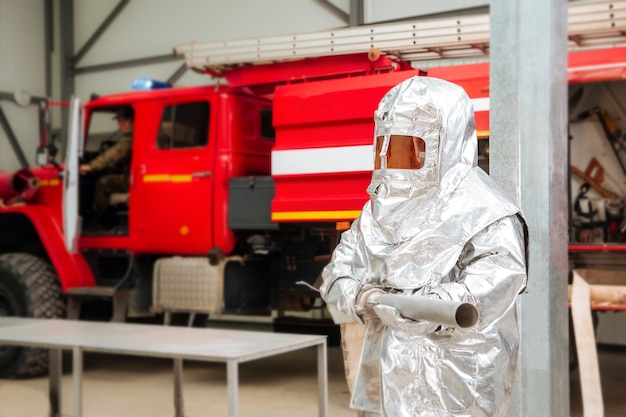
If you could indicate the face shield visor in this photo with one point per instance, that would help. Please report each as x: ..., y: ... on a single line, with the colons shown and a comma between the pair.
x: 399, y: 152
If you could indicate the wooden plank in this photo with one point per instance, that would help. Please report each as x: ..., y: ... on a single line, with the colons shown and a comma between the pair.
x: 591, y: 388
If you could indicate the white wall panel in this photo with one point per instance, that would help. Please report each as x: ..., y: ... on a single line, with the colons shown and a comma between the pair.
x: 22, y: 66
x: 381, y: 11
x: 147, y: 28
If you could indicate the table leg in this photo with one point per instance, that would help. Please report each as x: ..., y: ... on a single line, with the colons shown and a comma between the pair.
x: 77, y: 379
x: 56, y: 372
x: 232, y: 381
x: 178, y: 387
x: 322, y: 379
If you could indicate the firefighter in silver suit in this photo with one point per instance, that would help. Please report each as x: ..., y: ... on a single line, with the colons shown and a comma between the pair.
x: 435, y: 226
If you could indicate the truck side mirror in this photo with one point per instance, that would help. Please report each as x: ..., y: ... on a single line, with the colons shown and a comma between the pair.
x: 42, y: 155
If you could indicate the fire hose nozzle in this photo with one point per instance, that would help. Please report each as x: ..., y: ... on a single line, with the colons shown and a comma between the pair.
x: 419, y: 308
x: 22, y: 185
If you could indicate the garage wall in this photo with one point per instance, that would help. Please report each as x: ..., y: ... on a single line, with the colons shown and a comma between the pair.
x: 149, y: 28
x: 22, y: 67
x: 376, y: 11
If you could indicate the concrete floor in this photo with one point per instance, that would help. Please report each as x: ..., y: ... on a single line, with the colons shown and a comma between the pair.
x: 120, y: 386
x: 282, y: 386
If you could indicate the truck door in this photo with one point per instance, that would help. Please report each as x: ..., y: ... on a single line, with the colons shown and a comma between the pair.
x: 71, y: 218
x: 175, y: 182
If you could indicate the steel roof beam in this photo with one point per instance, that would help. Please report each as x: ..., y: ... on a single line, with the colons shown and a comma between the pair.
x: 334, y: 10
x: 98, y: 32
x: 126, y: 64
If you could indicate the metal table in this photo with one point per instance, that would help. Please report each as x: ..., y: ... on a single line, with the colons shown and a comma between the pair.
x: 211, y: 345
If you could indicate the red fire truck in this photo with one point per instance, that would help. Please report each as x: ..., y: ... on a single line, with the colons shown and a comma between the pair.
x: 238, y: 190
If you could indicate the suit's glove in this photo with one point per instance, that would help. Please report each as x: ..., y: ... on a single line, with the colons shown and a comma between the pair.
x: 365, y: 300
x: 392, y: 319
x: 340, y: 297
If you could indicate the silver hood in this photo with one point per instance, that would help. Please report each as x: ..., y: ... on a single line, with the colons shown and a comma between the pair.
x: 441, y: 114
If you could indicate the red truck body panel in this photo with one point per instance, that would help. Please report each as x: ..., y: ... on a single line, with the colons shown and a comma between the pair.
x: 71, y: 268
x: 327, y: 126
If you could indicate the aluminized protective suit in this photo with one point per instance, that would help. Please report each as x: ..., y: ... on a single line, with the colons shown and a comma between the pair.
x: 443, y: 231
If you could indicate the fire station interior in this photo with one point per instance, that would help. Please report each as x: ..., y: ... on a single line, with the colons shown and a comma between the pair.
x: 57, y: 52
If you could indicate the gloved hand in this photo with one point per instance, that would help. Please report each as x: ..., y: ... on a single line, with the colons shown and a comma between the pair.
x: 392, y: 319
x: 340, y: 297
x: 365, y: 299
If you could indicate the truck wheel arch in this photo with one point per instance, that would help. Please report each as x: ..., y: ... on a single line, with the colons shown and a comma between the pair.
x: 29, y: 287
x: 20, y: 235
x: 34, y: 230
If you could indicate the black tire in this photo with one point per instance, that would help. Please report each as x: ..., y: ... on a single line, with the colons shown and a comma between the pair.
x: 29, y: 287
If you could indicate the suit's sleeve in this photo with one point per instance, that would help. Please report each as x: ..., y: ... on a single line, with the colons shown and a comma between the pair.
x: 491, y: 270
x: 340, y: 287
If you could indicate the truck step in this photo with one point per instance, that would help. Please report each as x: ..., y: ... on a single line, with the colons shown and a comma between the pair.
x: 96, y: 291
x: 77, y: 296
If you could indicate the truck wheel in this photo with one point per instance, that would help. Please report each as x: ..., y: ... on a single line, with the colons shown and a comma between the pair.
x: 29, y: 287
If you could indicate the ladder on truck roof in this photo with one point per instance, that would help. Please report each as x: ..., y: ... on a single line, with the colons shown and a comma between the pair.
x: 590, y: 26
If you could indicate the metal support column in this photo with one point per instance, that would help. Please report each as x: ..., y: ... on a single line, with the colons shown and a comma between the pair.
x: 528, y: 158
x: 49, y: 40
x: 67, y: 56
x: 357, y: 13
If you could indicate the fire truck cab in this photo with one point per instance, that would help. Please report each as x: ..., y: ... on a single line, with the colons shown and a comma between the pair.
x: 187, y: 143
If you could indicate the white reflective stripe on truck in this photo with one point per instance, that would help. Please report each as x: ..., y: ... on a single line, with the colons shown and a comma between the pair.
x: 335, y: 159
x: 322, y: 160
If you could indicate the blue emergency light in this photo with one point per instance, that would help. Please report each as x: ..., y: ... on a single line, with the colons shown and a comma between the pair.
x: 145, y: 83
